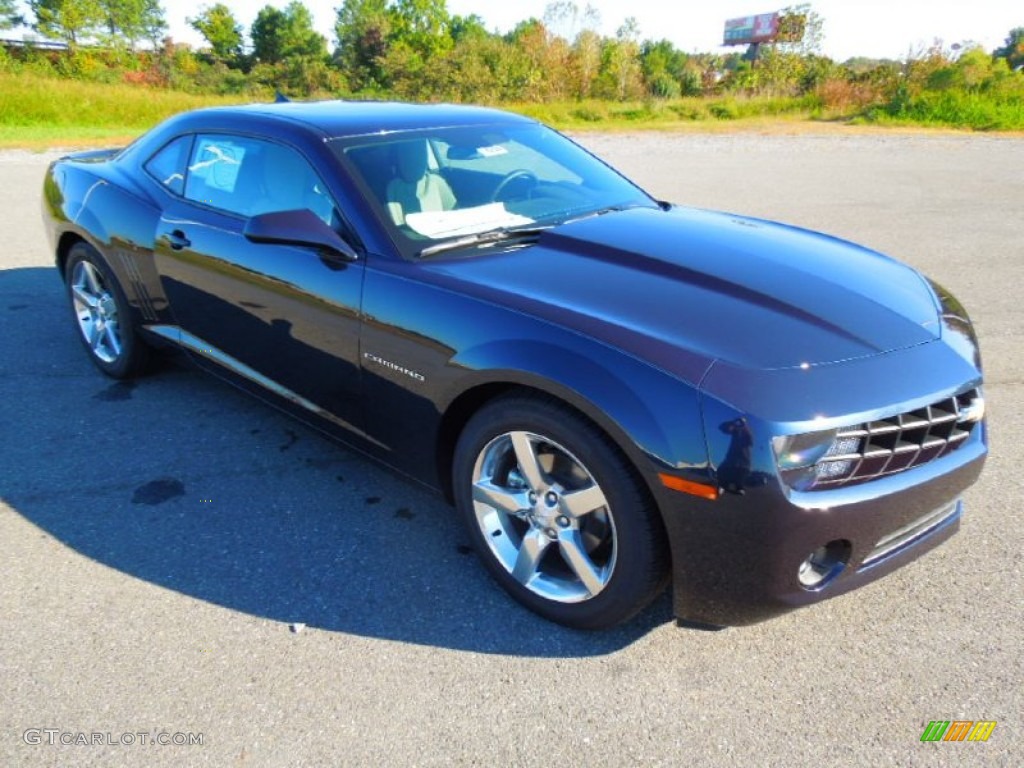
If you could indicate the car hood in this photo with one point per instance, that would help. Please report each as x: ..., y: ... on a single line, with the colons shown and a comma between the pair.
x: 683, y: 288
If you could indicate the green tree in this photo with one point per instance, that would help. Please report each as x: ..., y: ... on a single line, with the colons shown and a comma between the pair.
x: 279, y: 35
x: 384, y: 42
x: 1013, y: 49
x: 267, y: 34
x: 468, y: 27
x: 620, y: 63
x: 971, y: 71
x: 567, y: 21
x: 586, y: 52
x: 67, y: 20
x: 422, y: 25
x: 545, y: 61
x: 362, y: 29
x: 221, y: 29
x: 9, y: 16
x: 485, y: 68
x: 974, y: 68
x: 663, y: 67
x: 775, y: 71
x: 134, y: 20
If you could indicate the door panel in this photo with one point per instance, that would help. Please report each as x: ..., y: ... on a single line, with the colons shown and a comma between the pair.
x: 269, y: 312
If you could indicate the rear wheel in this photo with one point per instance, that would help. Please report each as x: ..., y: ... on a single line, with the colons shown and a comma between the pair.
x: 101, y: 314
x: 556, y: 515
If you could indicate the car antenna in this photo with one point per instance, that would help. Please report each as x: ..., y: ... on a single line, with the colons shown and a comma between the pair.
x: 280, y: 98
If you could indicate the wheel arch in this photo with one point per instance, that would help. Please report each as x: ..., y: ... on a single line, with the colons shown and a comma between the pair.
x: 467, y: 403
x: 67, y: 241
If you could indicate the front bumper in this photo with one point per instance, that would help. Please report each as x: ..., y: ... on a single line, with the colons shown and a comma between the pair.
x: 737, y: 560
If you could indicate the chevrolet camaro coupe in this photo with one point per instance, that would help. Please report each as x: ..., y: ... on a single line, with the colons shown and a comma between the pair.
x: 615, y: 393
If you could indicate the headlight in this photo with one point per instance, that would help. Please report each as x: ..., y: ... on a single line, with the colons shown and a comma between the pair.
x: 796, y: 451
x: 806, y: 458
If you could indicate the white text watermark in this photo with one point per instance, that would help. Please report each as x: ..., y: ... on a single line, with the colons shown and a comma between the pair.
x: 54, y: 737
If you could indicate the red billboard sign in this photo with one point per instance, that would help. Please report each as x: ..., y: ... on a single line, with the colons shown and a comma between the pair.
x: 763, y: 28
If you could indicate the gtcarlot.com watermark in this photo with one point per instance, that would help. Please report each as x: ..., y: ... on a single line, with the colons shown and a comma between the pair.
x: 59, y: 737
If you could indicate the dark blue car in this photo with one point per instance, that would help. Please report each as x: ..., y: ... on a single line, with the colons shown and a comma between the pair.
x: 615, y: 393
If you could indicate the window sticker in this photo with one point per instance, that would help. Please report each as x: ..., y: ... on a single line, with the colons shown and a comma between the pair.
x: 218, y: 163
x: 466, y: 221
x: 492, y: 151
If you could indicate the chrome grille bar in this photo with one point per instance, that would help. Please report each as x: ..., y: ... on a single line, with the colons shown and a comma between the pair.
x: 904, y: 440
x: 903, y: 536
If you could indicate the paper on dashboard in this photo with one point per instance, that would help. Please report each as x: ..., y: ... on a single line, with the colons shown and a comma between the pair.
x: 466, y: 221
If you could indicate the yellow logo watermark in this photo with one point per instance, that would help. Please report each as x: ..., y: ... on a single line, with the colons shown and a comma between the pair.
x: 958, y: 730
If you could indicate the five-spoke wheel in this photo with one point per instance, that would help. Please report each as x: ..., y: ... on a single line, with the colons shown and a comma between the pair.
x: 531, y: 495
x: 102, y: 315
x: 556, y: 514
x: 96, y: 310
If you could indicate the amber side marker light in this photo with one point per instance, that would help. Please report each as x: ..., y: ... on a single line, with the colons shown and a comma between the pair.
x: 688, y: 486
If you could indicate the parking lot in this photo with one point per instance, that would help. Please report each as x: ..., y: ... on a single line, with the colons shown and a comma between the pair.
x: 176, y: 558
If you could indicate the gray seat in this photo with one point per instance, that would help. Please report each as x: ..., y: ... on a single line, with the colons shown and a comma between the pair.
x: 415, y: 187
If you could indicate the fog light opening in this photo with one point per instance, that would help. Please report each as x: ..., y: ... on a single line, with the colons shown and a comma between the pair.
x: 824, y: 564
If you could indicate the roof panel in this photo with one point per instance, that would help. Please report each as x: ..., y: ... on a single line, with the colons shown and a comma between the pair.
x: 349, y: 118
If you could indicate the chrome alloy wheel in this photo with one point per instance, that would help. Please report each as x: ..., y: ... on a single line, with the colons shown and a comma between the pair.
x: 96, y: 310
x: 544, y: 517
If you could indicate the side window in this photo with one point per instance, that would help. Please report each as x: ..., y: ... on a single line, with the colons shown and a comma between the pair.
x: 249, y: 176
x: 168, y: 165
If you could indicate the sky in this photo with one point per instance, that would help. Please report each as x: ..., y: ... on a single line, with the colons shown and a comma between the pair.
x: 873, y: 28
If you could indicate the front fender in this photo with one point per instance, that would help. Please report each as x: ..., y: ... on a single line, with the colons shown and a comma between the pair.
x: 651, y: 415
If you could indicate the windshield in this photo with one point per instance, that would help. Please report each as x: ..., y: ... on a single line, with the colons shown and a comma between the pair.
x: 449, y: 184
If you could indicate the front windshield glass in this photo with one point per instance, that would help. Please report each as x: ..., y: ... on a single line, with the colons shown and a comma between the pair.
x: 451, y: 184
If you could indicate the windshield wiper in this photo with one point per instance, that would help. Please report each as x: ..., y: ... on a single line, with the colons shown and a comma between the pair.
x: 603, y: 211
x: 484, y: 238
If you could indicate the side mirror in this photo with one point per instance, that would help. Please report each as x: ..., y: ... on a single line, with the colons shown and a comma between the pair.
x: 299, y: 227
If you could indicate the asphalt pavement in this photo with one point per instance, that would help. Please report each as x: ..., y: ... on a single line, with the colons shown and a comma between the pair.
x: 182, y: 563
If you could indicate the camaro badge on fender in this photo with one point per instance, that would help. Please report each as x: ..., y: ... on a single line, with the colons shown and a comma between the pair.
x: 394, y: 366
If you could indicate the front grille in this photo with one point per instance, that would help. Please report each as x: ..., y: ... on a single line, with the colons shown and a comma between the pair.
x: 897, y: 443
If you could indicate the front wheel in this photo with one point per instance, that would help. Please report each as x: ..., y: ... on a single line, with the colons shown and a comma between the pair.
x: 556, y: 515
x: 101, y: 314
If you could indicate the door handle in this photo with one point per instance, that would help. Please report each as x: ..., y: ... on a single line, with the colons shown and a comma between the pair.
x: 177, y: 240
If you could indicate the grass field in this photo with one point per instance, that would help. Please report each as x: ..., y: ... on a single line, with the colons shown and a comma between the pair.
x: 37, y: 112
x: 41, y: 112
x: 953, y: 109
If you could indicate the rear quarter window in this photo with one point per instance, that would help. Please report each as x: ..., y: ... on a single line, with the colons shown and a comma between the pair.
x: 168, y: 166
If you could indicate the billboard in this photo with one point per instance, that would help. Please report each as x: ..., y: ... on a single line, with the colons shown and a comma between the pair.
x: 763, y: 28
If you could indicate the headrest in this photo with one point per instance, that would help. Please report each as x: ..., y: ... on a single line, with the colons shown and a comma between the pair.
x: 411, y: 159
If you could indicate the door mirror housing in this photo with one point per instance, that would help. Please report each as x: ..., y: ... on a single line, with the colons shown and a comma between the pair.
x: 299, y: 227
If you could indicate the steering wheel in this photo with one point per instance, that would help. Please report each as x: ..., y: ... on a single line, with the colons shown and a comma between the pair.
x: 528, y: 177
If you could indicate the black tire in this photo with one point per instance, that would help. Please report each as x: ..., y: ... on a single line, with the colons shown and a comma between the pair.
x: 625, y: 554
x: 101, y: 315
